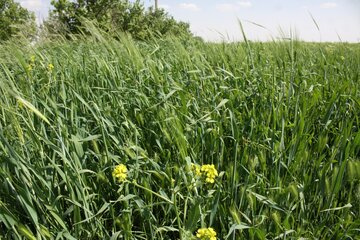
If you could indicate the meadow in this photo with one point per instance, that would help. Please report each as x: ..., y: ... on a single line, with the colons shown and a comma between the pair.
x: 111, y: 138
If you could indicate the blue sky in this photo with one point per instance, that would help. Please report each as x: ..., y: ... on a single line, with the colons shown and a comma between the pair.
x: 217, y: 20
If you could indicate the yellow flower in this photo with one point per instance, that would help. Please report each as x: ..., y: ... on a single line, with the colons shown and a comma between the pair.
x: 29, y: 68
x: 50, y: 67
x: 31, y: 64
x: 210, y: 172
x: 207, y: 171
x: 32, y: 59
x: 120, y: 173
x: 206, y: 234
x: 196, y: 169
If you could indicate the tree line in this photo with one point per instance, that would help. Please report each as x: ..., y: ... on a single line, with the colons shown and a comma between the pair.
x: 66, y: 18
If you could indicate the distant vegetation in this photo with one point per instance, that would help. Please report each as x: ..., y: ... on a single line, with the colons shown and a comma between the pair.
x: 15, y: 19
x: 67, y: 18
x: 106, y: 137
x: 114, y: 15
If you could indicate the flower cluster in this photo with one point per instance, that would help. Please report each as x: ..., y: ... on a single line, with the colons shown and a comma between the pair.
x: 120, y: 173
x: 206, y: 234
x: 196, y: 169
x: 31, y: 64
x: 208, y: 171
x: 50, y: 67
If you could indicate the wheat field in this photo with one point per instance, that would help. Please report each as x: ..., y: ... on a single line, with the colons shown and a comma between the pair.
x: 111, y: 138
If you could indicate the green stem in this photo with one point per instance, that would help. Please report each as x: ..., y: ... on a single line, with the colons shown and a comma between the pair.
x: 151, y: 191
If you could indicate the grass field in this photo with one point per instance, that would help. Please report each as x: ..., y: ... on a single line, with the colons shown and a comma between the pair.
x: 279, y: 121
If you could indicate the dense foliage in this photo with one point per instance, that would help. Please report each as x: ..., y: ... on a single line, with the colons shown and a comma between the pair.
x: 114, y: 15
x: 13, y: 19
x: 109, y: 138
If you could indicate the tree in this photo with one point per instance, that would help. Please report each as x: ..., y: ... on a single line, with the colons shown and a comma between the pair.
x: 15, y: 19
x: 113, y: 15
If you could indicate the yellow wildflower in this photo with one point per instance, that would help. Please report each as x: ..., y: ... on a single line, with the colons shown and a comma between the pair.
x: 210, y: 172
x: 29, y: 67
x: 206, y: 234
x: 31, y: 64
x: 50, y: 67
x: 120, y: 173
x: 196, y: 169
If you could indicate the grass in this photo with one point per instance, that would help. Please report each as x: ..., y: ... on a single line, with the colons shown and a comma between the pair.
x: 279, y: 121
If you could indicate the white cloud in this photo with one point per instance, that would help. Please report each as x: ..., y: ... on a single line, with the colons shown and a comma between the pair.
x: 33, y: 5
x: 244, y: 4
x: 328, y: 5
x: 39, y: 7
x: 189, y: 6
x: 230, y: 7
x: 225, y: 7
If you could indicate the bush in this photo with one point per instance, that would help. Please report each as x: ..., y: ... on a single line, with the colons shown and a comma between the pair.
x: 112, y: 16
x: 15, y: 19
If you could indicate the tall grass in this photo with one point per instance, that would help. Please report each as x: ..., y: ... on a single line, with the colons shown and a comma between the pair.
x: 279, y: 120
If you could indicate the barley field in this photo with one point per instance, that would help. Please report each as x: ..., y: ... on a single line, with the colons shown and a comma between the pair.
x: 111, y: 138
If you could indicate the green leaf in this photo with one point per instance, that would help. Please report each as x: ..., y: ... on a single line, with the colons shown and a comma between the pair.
x: 193, y: 217
x: 235, y: 227
x: 222, y: 103
x: 337, y: 208
x: 32, y: 108
x: 24, y: 231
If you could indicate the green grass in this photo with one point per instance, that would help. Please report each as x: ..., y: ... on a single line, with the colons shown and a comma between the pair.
x: 279, y: 120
